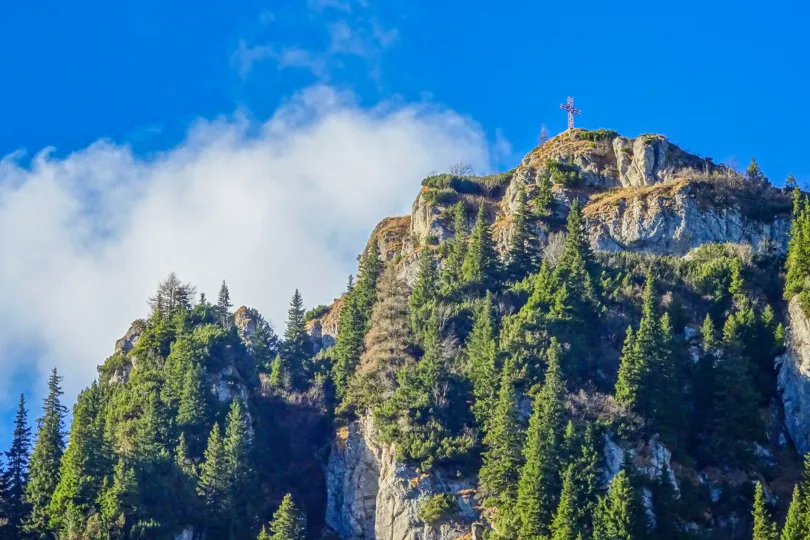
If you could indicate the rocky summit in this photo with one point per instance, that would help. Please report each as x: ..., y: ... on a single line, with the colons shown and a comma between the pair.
x: 610, y: 341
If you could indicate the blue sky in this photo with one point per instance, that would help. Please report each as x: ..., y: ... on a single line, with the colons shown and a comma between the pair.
x: 721, y: 79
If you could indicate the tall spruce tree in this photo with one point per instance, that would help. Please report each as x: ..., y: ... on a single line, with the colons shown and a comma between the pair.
x: 796, y: 526
x: 565, y: 525
x: 296, y: 348
x: 289, y: 523
x: 540, y: 478
x: 798, y: 255
x: 353, y: 321
x: 238, y: 469
x: 764, y: 527
x: 619, y: 515
x: 213, y: 486
x: 452, y: 276
x: 482, y: 351
x: 480, y: 268
x: 502, y: 457
x: 45, y: 459
x: 544, y: 200
x: 423, y: 295
x: 523, y: 253
x: 118, y: 502
x: 16, y: 476
x: 85, y: 462
x: 223, y: 307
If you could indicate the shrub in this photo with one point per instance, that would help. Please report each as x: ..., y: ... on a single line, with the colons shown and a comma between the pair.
x: 315, y: 312
x: 436, y: 507
x: 566, y: 174
x: 442, y: 196
x: 438, y: 181
x: 432, y: 240
x: 598, y: 135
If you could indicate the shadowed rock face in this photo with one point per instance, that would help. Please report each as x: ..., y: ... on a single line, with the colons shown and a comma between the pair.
x: 373, y: 496
x: 794, y: 377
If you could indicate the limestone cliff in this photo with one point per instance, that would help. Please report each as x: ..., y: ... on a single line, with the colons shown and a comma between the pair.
x: 794, y: 377
x: 371, y: 495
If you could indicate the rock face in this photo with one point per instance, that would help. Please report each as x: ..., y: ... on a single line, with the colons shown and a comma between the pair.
x: 370, y: 495
x: 794, y: 377
x: 425, y: 221
x: 674, y: 219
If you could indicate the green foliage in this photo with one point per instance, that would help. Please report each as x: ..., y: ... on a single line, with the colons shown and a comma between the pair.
x: 435, y: 507
x: 482, y: 353
x: 15, y: 478
x: 565, y: 525
x: 796, y: 526
x: 798, y: 256
x: 764, y: 527
x: 502, y: 458
x: 544, y: 199
x: 540, y: 478
x: 289, y: 523
x: 213, y: 485
x: 481, y: 267
x: 316, y: 312
x: 564, y: 173
x: 296, y: 349
x: 444, y: 196
x: 523, y: 253
x: 423, y: 295
x: 46, y: 458
x: 598, y: 135
x: 619, y: 515
x: 353, y: 320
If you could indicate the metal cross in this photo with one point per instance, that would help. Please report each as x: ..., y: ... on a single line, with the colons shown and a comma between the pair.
x: 571, y: 111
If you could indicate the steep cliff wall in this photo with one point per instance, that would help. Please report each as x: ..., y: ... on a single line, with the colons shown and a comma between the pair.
x: 373, y: 496
x: 794, y: 377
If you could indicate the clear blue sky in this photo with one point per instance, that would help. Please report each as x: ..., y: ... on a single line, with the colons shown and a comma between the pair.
x: 722, y: 79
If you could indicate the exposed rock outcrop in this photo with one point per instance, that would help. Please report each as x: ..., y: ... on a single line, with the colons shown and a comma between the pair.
x: 675, y: 217
x: 794, y: 377
x: 373, y: 496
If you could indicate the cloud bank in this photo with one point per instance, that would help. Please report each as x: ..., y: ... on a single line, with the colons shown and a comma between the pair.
x: 269, y: 207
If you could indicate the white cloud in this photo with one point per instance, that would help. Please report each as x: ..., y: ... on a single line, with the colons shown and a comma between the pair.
x: 269, y: 207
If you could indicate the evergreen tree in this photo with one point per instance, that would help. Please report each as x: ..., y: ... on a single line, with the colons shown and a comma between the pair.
x: 423, y: 295
x: 296, y: 348
x: 239, y: 472
x: 482, y: 351
x: 754, y: 175
x: 664, y: 504
x: 213, y: 486
x: 353, y: 321
x: 764, y: 527
x: 16, y: 477
x: 545, y: 196
x: 798, y: 255
x: 223, y: 307
x: 790, y: 182
x: 587, y: 480
x: 45, y: 459
x: 540, y: 479
x: 565, y: 525
x: 619, y: 515
x: 523, y: 252
x: 628, y: 383
x: 797, y: 197
x: 796, y: 521
x: 289, y: 523
x: 84, y: 463
x: 502, y: 457
x: 452, y: 275
x: 263, y: 535
x: 480, y: 268
x: 118, y: 502
x: 193, y: 413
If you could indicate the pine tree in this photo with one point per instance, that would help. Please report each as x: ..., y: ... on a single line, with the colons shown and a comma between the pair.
x: 764, y: 527
x: 797, y: 197
x: 628, y: 382
x: 193, y: 413
x: 16, y: 477
x: 84, y: 463
x: 223, y: 307
x: 587, y: 480
x: 790, y: 182
x: 754, y: 175
x: 482, y: 351
x: 522, y: 255
x: 289, y: 523
x: 118, y: 501
x: 540, y: 478
x: 502, y: 457
x: 452, y: 276
x: 213, y: 484
x: 565, y: 525
x: 46, y: 458
x: 796, y: 521
x: 263, y: 535
x: 353, y: 321
x: 238, y: 470
x: 798, y: 255
x: 480, y: 268
x: 423, y: 295
x: 296, y: 348
x: 545, y: 196
x: 619, y: 515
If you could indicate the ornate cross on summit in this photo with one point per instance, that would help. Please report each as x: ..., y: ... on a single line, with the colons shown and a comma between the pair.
x: 571, y: 111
